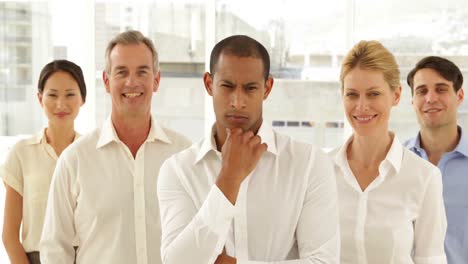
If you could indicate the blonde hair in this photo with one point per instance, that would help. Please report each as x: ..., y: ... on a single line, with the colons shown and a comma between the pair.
x: 127, y: 38
x: 371, y: 55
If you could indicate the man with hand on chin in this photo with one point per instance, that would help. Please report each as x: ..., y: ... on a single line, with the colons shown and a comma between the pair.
x: 245, y: 193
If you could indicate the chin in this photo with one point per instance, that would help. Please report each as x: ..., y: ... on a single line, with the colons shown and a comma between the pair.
x: 366, y: 132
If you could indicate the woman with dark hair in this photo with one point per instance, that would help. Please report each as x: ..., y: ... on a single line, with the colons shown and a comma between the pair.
x: 28, y: 169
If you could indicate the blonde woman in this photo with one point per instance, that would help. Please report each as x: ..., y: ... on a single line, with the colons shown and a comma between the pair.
x: 391, y: 206
x: 30, y: 164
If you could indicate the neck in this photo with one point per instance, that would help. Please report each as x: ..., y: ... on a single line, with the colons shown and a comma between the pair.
x: 438, y: 141
x: 59, y: 137
x: 132, y: 131
x: 369, y: 149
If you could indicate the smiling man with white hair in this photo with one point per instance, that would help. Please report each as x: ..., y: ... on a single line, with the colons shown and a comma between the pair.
x: 103, y: 191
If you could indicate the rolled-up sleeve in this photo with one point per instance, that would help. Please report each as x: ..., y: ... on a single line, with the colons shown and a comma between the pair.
x: 11, y: 172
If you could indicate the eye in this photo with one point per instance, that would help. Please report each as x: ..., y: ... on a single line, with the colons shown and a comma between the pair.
x: 351, y: 94
x: 226, y: 85
x: 70, y: 94
x: 251, y: 88
x: 373, y: 94
x: 421, y: 91
x: 52, y: 95
x: 441, y: 89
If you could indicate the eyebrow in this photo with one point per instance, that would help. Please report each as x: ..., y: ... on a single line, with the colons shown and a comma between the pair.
x: 368, y: 89
x: 425, y: 85
x: 144, y: 67
x: 245, y: 84
x: 227, y: 81
x: 120, y: 68
x: 67, y: 90
x: 250, y: 83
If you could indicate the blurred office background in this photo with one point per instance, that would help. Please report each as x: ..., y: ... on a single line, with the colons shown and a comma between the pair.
x: 306, y: 45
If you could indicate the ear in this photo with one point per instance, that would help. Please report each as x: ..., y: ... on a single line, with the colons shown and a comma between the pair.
x: 156, y: 81
x: 397, y: 95
x: 460, y: 96
x: 39, y: 98
x: 105, y: 79
x: 268, y: 86
x: 208, y: 81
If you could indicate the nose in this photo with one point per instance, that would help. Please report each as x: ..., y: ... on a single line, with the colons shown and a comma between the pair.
x: 238, y: 100
x: 131, y: 80
x: 363, y: 104
x: 61, y: 103
x: 431, y: 96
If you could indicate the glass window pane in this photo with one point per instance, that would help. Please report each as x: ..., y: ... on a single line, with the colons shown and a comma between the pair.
x: 305, y: 47
x: 178, y: 31
x: 411, y: 31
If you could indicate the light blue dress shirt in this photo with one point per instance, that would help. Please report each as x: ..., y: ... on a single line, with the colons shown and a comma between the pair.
x: 454, y: 168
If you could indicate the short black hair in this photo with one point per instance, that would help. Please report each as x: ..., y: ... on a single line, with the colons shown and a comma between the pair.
x: 447, y: 69
x: 62, y: 66
x: 240, y: 46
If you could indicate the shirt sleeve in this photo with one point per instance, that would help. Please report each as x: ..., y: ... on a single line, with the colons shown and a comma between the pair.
x: 191, y: 235
x: 431, y: 225
x: 317, y: 231
x: 56, y: 245
x: 12, y: 172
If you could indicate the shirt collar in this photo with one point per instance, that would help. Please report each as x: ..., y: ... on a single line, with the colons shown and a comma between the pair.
x: 462, y: 146
x: 108, y: 133
x: 265, y: 132
x: 414, y: 144
x: 40, y: 137
x: 394, y: 155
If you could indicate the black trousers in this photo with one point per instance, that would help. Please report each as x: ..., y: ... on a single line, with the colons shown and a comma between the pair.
x: 34, y: 257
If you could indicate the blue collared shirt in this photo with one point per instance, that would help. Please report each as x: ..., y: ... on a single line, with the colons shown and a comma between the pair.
x: 454, y: 168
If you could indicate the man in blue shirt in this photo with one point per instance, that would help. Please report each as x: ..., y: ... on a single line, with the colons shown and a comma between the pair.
x: 436, y: 88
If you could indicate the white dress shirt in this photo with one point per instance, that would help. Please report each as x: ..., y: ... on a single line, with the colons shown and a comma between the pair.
x: 399, y: 218
x: 108, y: 199
x: 286, y: 209
x: 28, y: 170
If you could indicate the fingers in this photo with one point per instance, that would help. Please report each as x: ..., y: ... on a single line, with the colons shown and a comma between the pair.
x: 254, y: 141
x: 259, y: 150
x: 247, y: 136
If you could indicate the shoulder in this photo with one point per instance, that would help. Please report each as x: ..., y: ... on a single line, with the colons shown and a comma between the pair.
x: 84, y: 144
x: 411, y: 160
x: 23, y: 148
x: 418, y: 168
x: 177, y: 139
x: 289, y: 146
x: 24, y: 143
x: 187, y: 156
